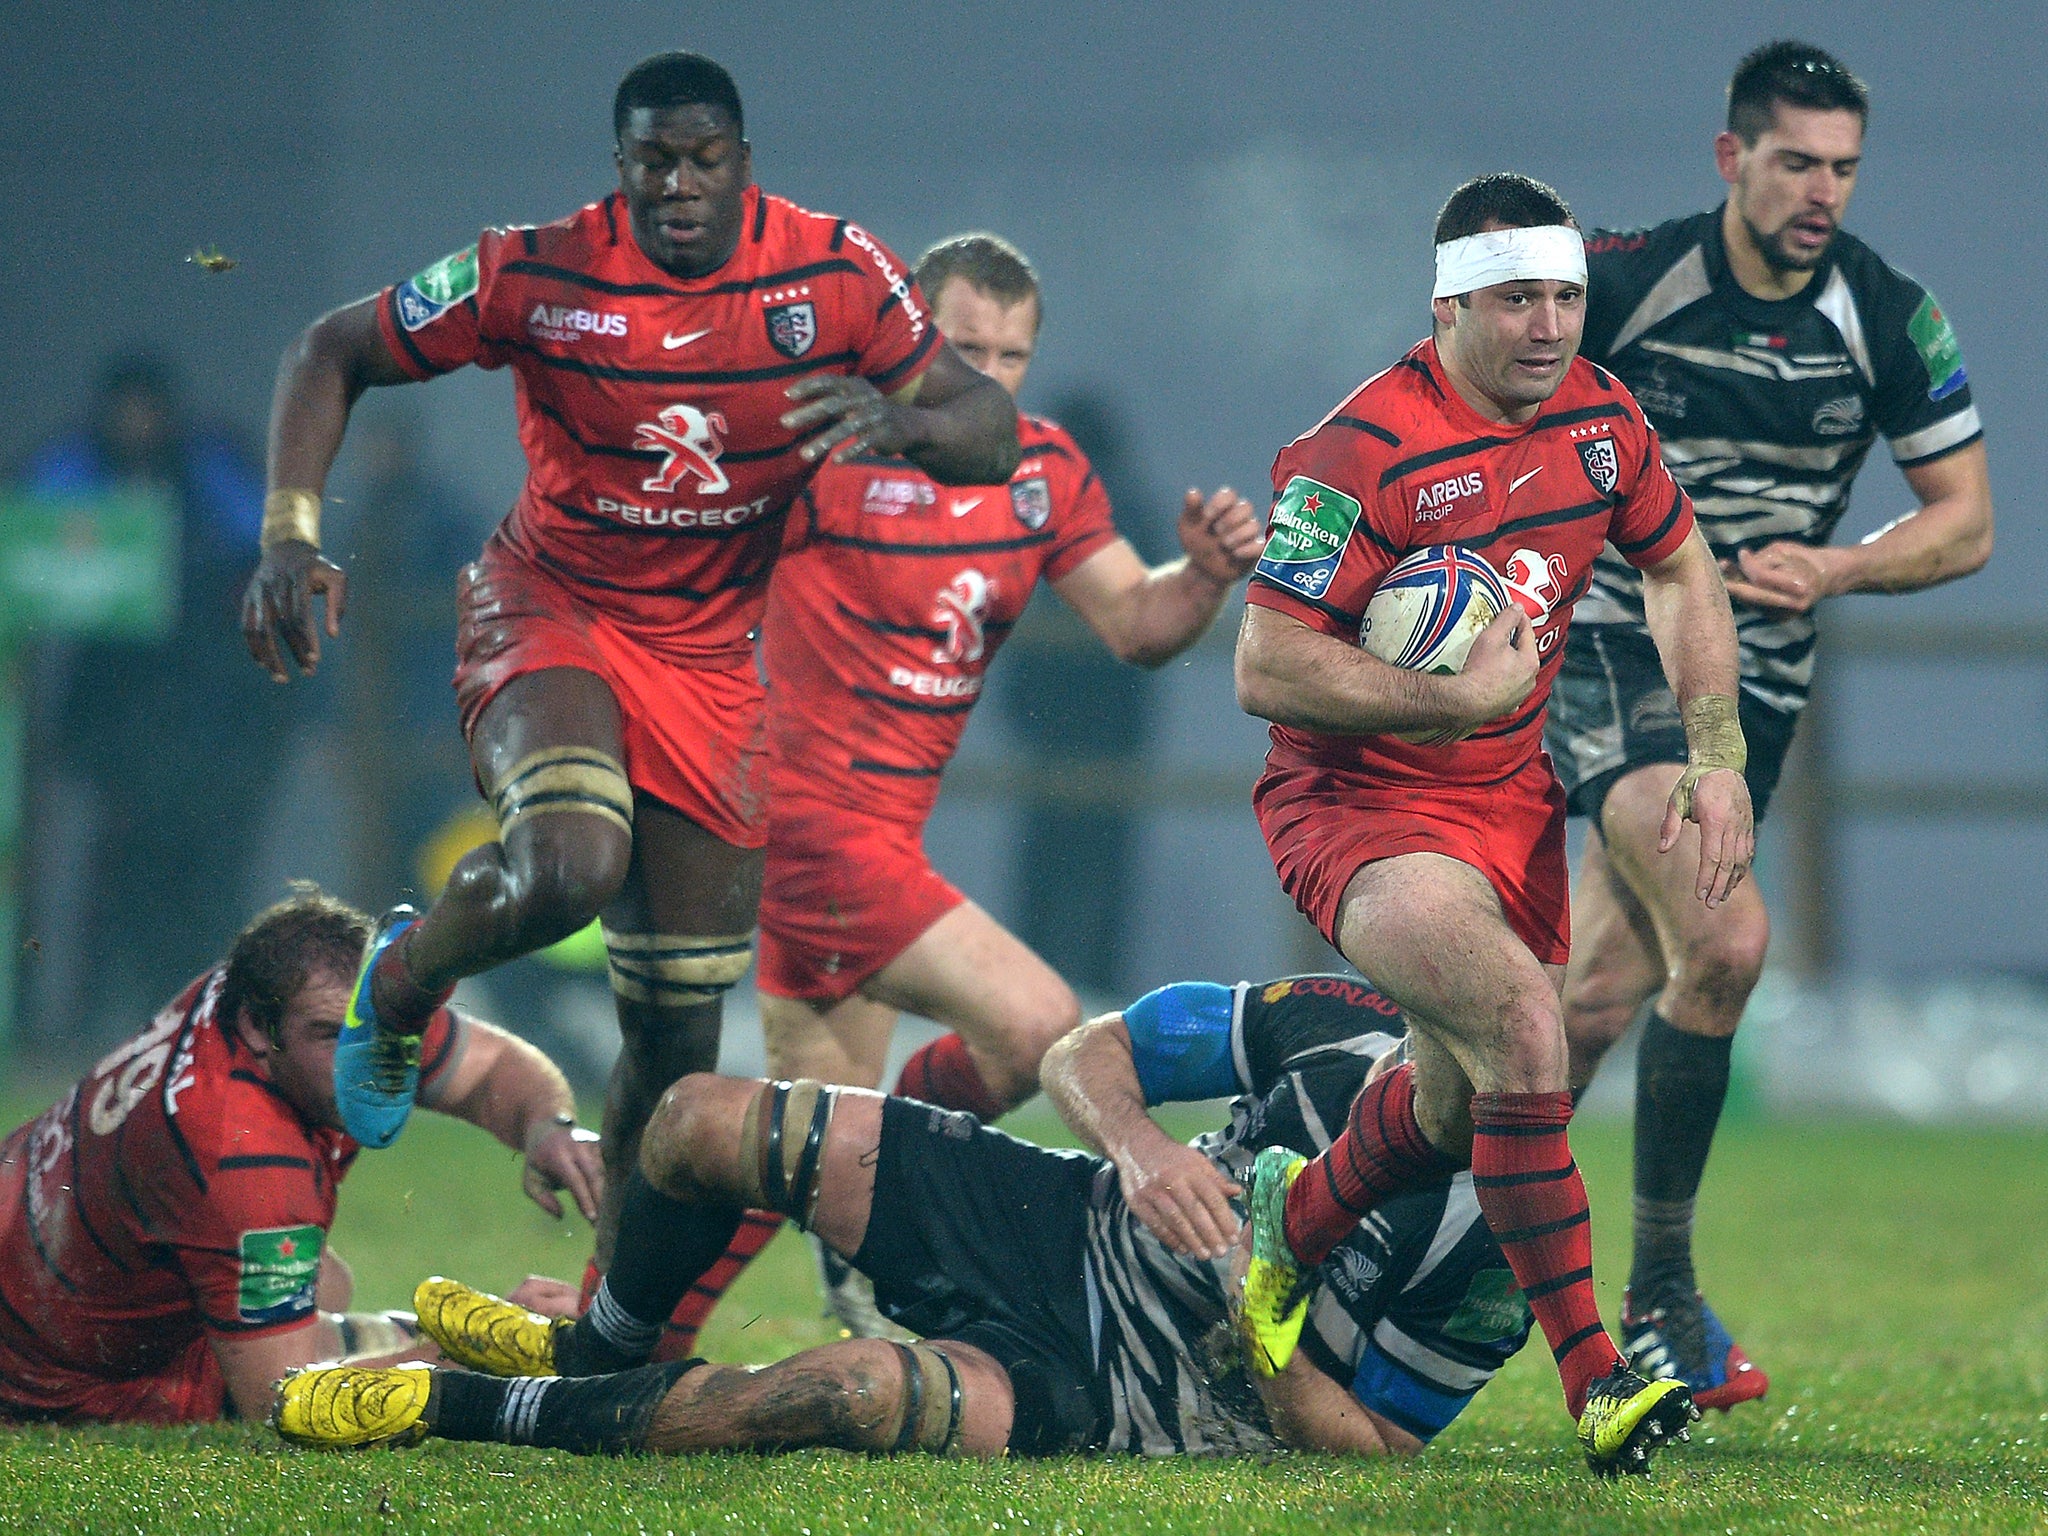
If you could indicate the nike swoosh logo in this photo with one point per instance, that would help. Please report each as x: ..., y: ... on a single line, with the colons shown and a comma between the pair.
x: 962, y: 508
x: 672, y: 342
x: 1529, y: 476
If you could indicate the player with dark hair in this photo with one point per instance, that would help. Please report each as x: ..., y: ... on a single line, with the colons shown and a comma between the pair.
x: 688, y: 349
x: 1770, y: 349
x: 163, y: 1227
x: 1072, y: 1302
x: 1439, y: 869
x: 890, y: 602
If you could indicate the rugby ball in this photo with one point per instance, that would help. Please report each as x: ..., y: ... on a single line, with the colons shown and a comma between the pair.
x: 1429, y: 609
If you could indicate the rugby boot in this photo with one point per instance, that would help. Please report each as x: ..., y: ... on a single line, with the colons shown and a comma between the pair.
x: 485, y: 1332
x: 1626, y: 1419
x: 345, y: 1407
x: 1276, y: 1285
x: 1683, y: 1339
x: 376, y: 1070
x: 850, y: 1297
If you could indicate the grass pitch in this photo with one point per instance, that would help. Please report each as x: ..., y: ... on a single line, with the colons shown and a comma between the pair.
x: 1893, y: 1280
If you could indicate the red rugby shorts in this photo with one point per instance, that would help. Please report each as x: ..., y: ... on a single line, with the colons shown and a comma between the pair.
x: 843, y: 895
x: 694, y: 736
x: 1323, y: 825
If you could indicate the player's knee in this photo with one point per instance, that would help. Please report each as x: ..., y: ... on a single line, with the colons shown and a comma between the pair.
x: 1010, y: 1062
x: 867, y: 1378
x: 1720, y: 968
x: 1531, y: 1041
x: 691, y: 1133
x: 565, y: 821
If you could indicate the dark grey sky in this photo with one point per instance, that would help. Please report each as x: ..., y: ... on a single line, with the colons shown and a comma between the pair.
x: 1229, y: 204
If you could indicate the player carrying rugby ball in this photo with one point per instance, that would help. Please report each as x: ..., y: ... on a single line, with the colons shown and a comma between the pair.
x: 1439, y: 870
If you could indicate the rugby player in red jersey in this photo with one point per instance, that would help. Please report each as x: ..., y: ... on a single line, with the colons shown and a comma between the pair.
x: 1439, y: 870
x: 687, y: 350
x: 890, y: 602
x: 163, y: 1227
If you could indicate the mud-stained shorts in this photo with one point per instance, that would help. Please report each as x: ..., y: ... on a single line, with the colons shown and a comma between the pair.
x: 1611, y: 712
x: 977, y: 1236
x: 695, y: 737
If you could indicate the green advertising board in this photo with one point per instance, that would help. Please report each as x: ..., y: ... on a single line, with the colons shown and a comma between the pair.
x: 100, y: 567
x: 103, y: 566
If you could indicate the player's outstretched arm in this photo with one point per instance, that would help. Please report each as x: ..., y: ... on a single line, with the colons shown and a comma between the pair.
x: 958, y: 426
x: 252, y: 1366
x: 1148, y: 615
x: 1293, y: 675
x: 1092, y: 1079
x: 333, y: 361
x: 1686, y: 608
x: 1947, y: 537
x: 510, y: 1088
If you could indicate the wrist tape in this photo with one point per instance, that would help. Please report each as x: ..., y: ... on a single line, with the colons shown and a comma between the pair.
x: 1713, y: 741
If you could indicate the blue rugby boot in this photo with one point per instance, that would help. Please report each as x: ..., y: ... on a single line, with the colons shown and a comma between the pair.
x: 1685, y: 1341
x: 376, y: 1070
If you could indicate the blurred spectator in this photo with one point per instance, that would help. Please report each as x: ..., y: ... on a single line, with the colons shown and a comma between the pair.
x: 402, y: 534
x: 151, y: 762
x: 1081, y: 712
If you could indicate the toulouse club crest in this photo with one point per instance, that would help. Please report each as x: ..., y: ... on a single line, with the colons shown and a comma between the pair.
x: 1031, y: 500
x: 792, y: 328
x: 1603, y: 466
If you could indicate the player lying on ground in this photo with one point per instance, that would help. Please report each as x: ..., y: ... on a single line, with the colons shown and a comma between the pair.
x: 163, y: 1227
x: 1072, y: 1302
x: 1770, y: 349
x: 688, y: 350
x: 1439, y: 870
x: 889, y: 604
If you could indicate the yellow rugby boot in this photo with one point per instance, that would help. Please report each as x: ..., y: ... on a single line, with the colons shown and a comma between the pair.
x: 486, y: 1333
x: 1276, y: 1286
x: 347, y: 1407
x: 1627, y: 1418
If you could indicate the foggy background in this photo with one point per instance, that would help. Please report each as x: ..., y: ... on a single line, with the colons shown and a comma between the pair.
x: 1230, y: 212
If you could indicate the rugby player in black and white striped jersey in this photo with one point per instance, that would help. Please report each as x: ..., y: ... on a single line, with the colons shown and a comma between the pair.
x: 1072, y: 1302
x: 1770, y: 349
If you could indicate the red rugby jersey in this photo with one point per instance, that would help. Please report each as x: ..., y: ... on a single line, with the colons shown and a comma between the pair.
x: 658, y: 471
x: 1404, y: 463
x: 172, y: 1191
x: 890, y: 605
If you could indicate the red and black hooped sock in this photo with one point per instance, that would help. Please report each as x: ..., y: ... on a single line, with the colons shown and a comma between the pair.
x: 943, y: 1073
x: 1379, y: 1152
x: 679, y: 1338
x: 1534, y: 1200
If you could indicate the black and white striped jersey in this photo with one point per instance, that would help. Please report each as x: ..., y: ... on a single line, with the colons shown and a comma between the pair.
x: 1416, y: 1310
x: 1767, y: 409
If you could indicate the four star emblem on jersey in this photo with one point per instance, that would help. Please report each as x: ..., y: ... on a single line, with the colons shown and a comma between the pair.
x: 691, y: 440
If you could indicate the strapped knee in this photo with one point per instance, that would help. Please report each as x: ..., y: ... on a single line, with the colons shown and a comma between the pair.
x: 931, y: 1401
x: 782, y: 1141
x: 674, y: 971
x: 579, y: 781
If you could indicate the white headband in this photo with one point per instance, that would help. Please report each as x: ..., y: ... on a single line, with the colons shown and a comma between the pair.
x: 1553, y: 251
